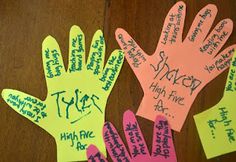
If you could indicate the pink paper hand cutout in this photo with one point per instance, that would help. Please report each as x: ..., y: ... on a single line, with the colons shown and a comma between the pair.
x: 173, y: 76
x: 162, y: 148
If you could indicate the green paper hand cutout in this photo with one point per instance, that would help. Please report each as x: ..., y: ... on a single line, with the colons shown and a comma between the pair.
x: 217, y: 125
x: 74, y: 109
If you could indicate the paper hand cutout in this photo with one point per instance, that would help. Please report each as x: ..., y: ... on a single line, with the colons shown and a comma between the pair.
x: 217, y: 125
x: 162, y: 147
x: 73, y: 112
x: 173, y: 76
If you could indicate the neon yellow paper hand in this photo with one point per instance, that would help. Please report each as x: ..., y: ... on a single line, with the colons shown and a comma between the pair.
x: 217, y: 126
x: 74, y: 109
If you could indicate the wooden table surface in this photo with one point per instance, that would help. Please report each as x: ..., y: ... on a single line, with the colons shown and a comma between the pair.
x: 25, y: 23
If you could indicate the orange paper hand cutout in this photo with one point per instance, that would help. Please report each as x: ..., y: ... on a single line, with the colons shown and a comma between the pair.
x: 172, y: 77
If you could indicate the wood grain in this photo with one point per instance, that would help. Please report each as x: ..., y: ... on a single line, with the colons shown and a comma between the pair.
x: 25, y: 23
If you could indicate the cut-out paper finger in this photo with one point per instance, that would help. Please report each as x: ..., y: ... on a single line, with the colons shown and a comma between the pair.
x: 135, y: 56
x: 52, y: 61
x: 136, y: 143
x: 220, y: 63
x: 28, y: 106
x: 94, y: 155
x: 111, y: 70
x: 202, y: 24
x: 76, y: 50
x: 173, y: 26
x: 95, y: 61
x: 230, y: 88
x: 217, y: 38
x: 114, y: 144
x: 162, y: 146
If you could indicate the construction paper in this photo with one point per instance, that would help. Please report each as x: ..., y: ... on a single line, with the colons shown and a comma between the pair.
x: 172, y: 77
x: 163, y: 147
x: 94, y: 154
x: 74, y: 109
x: 217, y: 125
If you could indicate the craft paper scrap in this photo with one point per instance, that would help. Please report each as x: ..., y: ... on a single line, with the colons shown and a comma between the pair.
x: 162, y: 148
x: 172, y: 77
x: 73, y: 112
x: 217, y: 125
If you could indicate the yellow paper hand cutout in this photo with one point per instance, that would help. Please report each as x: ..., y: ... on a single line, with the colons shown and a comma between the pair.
x: 217, y: 125
x: 74, y: 109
